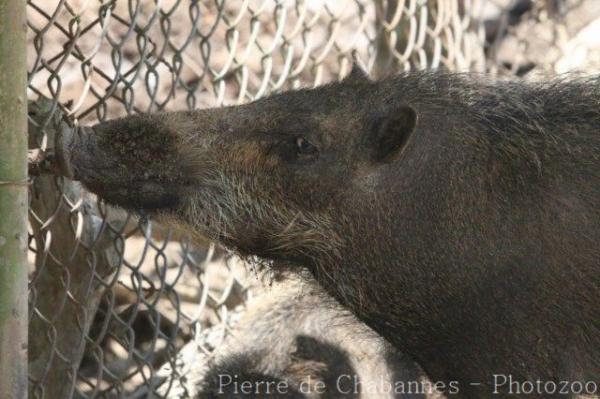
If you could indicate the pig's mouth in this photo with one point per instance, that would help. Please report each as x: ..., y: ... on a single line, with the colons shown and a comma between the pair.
x: 144, y: 197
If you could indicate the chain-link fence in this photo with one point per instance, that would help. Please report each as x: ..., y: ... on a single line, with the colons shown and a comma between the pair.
x: 113, y: 299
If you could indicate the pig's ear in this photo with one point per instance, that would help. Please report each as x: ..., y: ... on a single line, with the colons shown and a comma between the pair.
x: 359, y: 70
x: 357, y: 73
x: 391, y: 132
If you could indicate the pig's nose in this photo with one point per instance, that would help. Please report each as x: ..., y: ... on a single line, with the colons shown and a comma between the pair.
x: 64, y: 141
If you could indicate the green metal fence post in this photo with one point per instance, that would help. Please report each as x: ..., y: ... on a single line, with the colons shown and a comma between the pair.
x: 13, y: 200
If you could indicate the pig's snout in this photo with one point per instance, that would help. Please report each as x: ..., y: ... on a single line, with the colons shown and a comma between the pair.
x: 64, y: 142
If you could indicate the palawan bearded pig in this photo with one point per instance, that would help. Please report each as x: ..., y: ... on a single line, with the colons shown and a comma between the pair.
x: 458, y: 217
x: 295, y: 334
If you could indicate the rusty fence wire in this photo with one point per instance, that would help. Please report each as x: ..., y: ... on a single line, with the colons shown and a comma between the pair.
x: 113, y: 299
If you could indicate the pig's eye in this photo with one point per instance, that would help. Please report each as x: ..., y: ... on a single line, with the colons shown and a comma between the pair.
x: 304, y: 146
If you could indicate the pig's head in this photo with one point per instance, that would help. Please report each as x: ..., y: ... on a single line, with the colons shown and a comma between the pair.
x: 267, y: 178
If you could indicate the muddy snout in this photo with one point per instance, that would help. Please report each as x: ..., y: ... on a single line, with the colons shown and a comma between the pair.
x: 64, y: 141
x: 77, y: 155
x: 51, y: 137
x: 124, y: 168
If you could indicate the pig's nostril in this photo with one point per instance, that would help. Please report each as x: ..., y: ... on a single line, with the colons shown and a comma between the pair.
x: 152, y: 176
x: 187, y: 182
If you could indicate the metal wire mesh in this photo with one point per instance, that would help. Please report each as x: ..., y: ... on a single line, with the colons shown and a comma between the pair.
x: 112, y: 299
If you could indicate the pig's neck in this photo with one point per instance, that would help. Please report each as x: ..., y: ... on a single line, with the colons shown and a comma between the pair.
x: 405, y: 274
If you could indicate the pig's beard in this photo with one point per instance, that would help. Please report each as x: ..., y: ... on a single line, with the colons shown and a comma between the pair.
x: 235, y: 213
